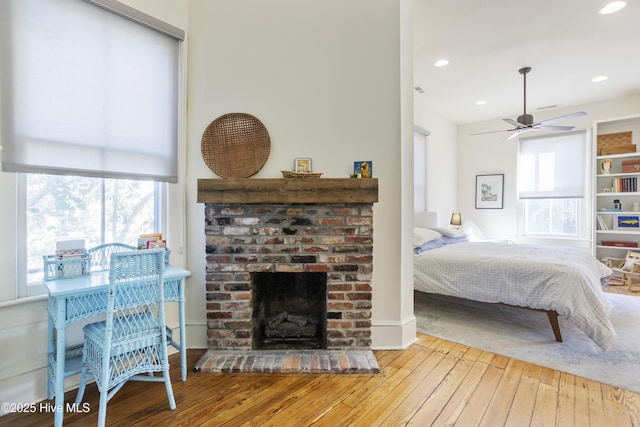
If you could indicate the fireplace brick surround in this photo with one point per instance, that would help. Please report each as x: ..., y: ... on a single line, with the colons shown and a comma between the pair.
x: 333, y: 238
x: 320, y: 225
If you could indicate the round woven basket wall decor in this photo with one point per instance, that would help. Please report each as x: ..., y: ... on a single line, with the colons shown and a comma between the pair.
x: 235, y: 145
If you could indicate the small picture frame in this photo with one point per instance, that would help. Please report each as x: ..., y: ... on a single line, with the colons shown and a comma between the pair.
x: 363, y: 168
x: 626, y: 222
x: 303, y: 164
x: 489, y: 191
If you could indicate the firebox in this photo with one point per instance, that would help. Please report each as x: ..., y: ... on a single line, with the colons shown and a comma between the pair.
x: 289, y: 310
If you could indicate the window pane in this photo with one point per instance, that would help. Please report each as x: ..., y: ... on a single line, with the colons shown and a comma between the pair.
x: 551, y: 217
x: 97, y: 210
x: 564, y: 213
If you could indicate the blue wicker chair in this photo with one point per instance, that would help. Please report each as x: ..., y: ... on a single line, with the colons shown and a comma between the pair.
x: 101, y: 254
x: 131, y: 341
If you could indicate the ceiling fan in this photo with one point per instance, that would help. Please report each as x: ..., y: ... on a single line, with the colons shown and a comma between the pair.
x: 525, y: 123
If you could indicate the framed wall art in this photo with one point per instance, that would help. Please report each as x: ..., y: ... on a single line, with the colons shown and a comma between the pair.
x: 489, y: 191
x: 626, y: 222
x: 363, y: 168
x: 303, y: 164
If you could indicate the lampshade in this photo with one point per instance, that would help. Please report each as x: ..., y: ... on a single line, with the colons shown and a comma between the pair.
x: 456, y: 218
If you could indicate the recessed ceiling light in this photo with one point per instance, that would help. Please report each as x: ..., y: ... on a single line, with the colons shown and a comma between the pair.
x: 612, y: 7
x: 599, y: 79
x: 441, y: 63
x: 481, y: 102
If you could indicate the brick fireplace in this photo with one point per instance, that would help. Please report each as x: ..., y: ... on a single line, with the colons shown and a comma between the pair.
x: 317, y: 227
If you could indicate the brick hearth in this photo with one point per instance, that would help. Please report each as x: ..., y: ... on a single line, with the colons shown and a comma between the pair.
x: 282, y: 361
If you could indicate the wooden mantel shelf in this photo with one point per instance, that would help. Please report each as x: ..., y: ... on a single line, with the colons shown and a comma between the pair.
x: 291, y: 190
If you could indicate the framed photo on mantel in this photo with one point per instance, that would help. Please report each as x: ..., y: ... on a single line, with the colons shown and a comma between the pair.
x: 303, y: 164
x: 489, y: 191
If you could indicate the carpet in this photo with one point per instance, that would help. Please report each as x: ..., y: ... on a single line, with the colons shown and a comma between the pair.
x: 526, y: 335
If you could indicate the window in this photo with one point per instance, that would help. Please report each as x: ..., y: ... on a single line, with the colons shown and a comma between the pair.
x: 551, y: 185
x: 95, y: 209
x: 420, y: 170
x: 90, y: 122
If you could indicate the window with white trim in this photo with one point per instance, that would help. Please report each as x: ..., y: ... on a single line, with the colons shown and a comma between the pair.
x: 90, y: 116
x: 552, y: 182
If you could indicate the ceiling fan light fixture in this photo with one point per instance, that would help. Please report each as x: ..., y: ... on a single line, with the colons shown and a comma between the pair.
x: 599, y: 79
x: 525, y: 122
x: 612, y: 7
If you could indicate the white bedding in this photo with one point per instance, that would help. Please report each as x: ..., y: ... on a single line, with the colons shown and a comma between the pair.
x: 563, y: 279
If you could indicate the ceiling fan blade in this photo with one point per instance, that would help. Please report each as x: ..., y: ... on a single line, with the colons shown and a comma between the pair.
x: 518, y: 133
x: 543, y: 127
x: 518, y: 125
x: 560, y: 118
x: 513, y: 135
x: 493, y: 131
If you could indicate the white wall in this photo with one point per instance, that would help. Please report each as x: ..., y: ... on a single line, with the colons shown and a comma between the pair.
x: 325, y: 79
x: 489, y: 154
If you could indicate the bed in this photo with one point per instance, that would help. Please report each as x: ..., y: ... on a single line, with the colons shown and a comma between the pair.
x: 558, y: 280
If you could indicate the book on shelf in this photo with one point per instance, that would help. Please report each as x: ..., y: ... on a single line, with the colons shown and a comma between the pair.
x: 624, y: 185
x: 619, y: 244
x: 602, y: 225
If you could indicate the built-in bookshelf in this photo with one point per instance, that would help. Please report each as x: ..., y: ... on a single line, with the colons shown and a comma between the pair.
x: 617, y: 195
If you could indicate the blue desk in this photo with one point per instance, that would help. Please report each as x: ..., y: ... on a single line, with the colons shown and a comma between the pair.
x: 83, y: 297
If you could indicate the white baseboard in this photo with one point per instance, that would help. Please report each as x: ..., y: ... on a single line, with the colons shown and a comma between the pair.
x: 393, y: 335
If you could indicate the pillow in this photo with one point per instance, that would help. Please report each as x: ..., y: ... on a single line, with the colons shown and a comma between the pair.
x: 431, y: 244
x: 424, y: 235
x: 446, y: 240
x: 449, y: 232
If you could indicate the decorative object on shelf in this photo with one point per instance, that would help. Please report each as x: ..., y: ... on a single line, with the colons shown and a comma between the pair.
x: 617, y: 206
x: 630, y: 166
x: 364, y: 168
x: 615, y: 143
x: 627, y: 222
x: 489, y: 191
x: 294, y: 174
x: 635, y: 207
x: 303, y: 165
x: 605, y: 166
x: 235, y: 145
x: 355, y: 175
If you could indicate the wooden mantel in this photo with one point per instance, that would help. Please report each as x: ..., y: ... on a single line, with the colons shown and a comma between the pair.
x: 288, y: 190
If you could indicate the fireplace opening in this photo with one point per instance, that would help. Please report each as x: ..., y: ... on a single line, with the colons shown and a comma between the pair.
x: 289, y: 311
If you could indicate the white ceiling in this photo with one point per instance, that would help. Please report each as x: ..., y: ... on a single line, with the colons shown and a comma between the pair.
x: 565, y: 42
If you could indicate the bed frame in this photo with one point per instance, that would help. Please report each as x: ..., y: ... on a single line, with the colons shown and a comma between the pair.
x: 430, y: 219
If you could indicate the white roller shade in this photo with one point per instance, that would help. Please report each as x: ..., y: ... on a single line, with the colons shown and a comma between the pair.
x: 552, y: 166
x: 88, y: 90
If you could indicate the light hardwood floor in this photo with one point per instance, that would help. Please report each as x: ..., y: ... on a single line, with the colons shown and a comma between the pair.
x: 433, y: 382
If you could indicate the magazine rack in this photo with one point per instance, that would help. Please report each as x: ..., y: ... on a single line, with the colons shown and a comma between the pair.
x: 55, y: 268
